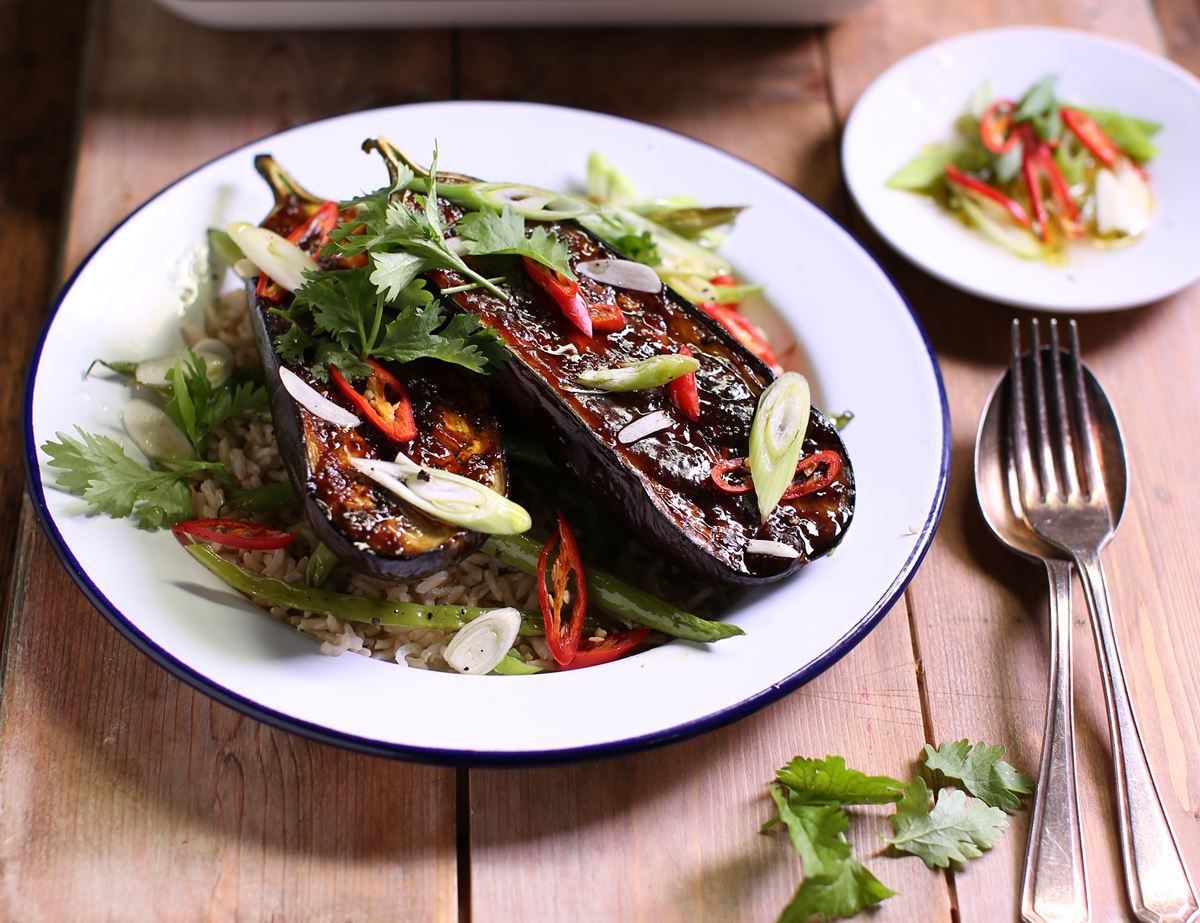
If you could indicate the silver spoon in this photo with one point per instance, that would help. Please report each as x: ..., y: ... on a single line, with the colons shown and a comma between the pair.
x: 1054, y: 881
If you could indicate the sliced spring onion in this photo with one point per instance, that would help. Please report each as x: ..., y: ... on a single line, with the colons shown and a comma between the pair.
x: 282, y: 261
x: 527, y: 201
x: 777, y: 438
x: 637, y: 277
x: 222, y: 251
x: 314, y: 401
x: 445, y: 496
x: 218, y: 364
x: 637, y: 376
x: 998, y: 227
x: 155, y: 433
x: 484, y: 642
x: 771, y: 548
x: 607, y: 183
x: 645, y: 426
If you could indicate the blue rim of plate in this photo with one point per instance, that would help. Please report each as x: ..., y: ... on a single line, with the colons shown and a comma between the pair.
x: 474, y: 758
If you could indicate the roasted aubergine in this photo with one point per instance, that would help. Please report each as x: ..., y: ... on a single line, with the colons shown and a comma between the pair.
x: 366, y: 526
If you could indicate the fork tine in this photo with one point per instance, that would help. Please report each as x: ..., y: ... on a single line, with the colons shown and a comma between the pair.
x: 1044, y: 452
x: 1065, y: 442
x: 1018, y: 427
x: 1087, y: 431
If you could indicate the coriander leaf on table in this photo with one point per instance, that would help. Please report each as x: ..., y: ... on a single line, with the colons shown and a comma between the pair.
x: 847, y: 892
x: 828, y: 781
x: 835, y: 885
x: 491, y: 233
x: 981, y: 771
x: 954, y: 830
x: 817, y: 832
x: 98, y: 469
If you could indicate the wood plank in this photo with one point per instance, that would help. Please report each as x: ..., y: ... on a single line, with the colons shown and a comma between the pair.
x: 42, y: 68
x: 971, y: 594
x: 127, y: 795
x: 671, y: 834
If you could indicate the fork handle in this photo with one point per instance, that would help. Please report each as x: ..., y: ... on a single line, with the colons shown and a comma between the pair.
x: 1054, y: 883
x: 1159, y: 888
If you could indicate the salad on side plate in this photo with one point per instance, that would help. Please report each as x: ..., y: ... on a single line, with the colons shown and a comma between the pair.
x: 1036, y: 173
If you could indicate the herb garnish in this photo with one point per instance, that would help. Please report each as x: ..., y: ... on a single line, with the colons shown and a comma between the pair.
x: 810, y: 796
x: 197, y: 407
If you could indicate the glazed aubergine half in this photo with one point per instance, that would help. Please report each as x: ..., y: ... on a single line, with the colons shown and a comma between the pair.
x: 671, y: 411
x: 382, y: 452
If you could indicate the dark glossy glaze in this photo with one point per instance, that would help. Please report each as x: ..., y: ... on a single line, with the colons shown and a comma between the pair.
x: 366, y: 525
x: 659, y: 485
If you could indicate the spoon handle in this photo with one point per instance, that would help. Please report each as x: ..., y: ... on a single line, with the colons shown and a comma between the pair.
x: 1054, y: 883
x: 1159, y: 888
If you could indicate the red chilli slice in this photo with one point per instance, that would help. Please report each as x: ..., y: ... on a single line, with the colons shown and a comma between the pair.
x: 564, y: 291
x: 233, y: 533
x: 562, y: 637
x: 683, y: 393
x: 615, y: 644
x: 385, y: 404
x: 732, y: 476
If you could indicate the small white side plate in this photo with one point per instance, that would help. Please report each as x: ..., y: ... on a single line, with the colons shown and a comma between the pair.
x: 864, y: 349
x: 915, y: 103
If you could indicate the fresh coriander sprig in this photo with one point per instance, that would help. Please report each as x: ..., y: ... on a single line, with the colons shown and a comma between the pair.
x: 97, y: 469
x: 810, y: 797
x: 198, y: 407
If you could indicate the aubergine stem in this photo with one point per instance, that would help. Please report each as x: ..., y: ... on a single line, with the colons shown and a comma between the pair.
x: 396, y: 158
x: 281, y: 182
x: 615, y: 595
x: 278, y: 495
x: 370, y: 611
x: 321, y: 563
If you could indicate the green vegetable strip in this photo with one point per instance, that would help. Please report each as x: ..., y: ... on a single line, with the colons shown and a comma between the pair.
x: 320, y: 565
x: 343, y: 605
x: 275, y: 496
x: 512, y: 665
x: 615, y: 595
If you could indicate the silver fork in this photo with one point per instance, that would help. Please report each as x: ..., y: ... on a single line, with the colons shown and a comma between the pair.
x: 1065, y: 500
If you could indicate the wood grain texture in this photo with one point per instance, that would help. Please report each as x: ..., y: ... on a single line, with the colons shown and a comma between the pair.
x: 971, y: 593
x: 41, y: 69
x: 670, y: 835
x: 126, y: 795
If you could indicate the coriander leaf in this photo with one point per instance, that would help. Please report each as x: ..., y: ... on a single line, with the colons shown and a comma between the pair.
x: 98, y: 469
x: 330, y: 355
x: 955, y: 830
x: 1038, y: 99
x: 394, y: 272
x: 981, y: 771
x: 197, y: 407
x: 817, y: 832
x: 488, y: 233
x: 639, y: 247
x: 292, y: 345
x: 344, y: 304
x: 414, y: 334
x: 846, y: 893
x: 828, y: 781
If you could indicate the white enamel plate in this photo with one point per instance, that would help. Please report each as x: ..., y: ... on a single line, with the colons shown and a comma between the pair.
x: 915, y: 102
x: 860, y: 344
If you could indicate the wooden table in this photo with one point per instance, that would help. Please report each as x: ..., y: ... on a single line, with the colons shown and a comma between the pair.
x: 124, y: 795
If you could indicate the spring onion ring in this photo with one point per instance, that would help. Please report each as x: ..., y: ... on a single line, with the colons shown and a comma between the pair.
x: 777, y: 438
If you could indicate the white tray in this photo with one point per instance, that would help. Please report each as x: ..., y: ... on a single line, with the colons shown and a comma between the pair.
x: 418, y: 14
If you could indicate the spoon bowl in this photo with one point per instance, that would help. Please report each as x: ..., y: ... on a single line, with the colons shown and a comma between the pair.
x: 995, y: 476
